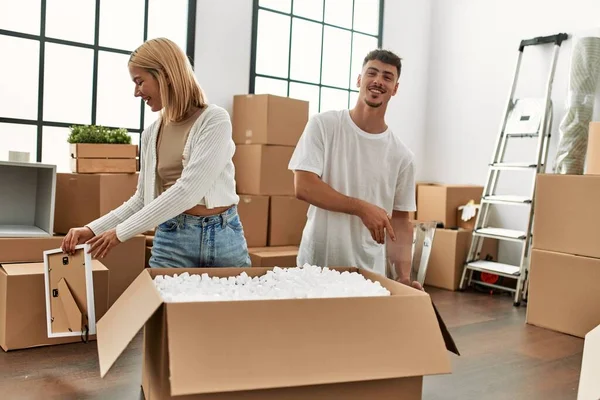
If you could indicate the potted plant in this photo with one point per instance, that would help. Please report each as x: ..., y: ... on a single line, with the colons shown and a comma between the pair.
x: 98, y: 149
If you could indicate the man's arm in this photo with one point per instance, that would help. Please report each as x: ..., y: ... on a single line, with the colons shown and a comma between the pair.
x: 399, y: 252
x: 310, y: 188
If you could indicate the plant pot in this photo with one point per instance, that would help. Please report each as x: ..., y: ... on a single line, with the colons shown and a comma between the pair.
x: 95, y: 158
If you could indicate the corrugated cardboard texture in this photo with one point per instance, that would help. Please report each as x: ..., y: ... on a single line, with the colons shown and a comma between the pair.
x: 24, y: 306
x: 287, y: 217
x: 567, y: 214
x: 254, y: 215
x: 268, y: 119
x: 449, y: 254
x: 119, y: 326
x: 250, y: 349
x: 593, y: 150
x: 82, y: 198
x: 262, y: 170
x: 103, y: 150
x: 125, y: 261
x: 103, y: 166
x: 563, y: 292
x: 69, y: 280
x: 27, y: 250
x: 283, y: 256
x: 589, y: 381
x: 440, y: 202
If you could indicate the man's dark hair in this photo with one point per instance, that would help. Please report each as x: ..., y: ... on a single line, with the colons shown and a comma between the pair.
x: 385, y: 56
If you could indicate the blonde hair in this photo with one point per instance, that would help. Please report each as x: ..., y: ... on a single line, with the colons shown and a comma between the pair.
x: 179, y: 88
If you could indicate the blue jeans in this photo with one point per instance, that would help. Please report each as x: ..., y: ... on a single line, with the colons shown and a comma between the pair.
x: 188, y: 241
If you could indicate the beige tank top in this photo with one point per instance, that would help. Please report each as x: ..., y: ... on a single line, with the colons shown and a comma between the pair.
x: 171, y: 140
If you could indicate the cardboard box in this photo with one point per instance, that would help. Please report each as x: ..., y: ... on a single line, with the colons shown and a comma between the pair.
x: 94, y: 158
x: 287, y: 218
x: 589, y: 382
x: 82, y: 198
x: 263, y: 170
x: 23, y: 306
x: 567, y: 214
x: 283, y: 256
x: 27, y: 192
x: 563, y: 292
x: 268, y: 119
x: 27, y: 250
x: 440, y: 202
x: 448, y: 256
x: 400, y: 341
x: 254, y: 215
x: 413, y: 215
x: 125, y: 261
x: 593, y: 150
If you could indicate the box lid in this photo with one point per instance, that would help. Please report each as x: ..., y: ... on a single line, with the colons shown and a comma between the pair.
x: 260, y: 344
x: 38, y: 268
x: 124, y: 319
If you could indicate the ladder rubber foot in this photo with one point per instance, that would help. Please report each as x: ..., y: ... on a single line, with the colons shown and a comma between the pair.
x: 517, y: 303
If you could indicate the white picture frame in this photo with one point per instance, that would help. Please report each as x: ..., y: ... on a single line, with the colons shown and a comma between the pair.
x: 89, y: 295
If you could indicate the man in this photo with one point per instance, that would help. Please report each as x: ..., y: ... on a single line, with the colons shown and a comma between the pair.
x: 359, y: 178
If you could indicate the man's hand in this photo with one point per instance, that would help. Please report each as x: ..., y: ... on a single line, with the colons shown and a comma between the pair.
x: 74, y: 237
x: 100, y: 245
x: 377, y: 221
x: 413, y: 284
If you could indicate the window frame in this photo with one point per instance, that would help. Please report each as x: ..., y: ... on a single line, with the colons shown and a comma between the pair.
x: 43, y: 39
x: 253, y: 74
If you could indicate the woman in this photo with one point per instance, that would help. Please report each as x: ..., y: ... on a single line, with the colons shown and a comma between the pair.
x: 186, y: 185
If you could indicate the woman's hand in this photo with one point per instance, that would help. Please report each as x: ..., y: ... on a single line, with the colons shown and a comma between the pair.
x: 74, y: 237
x: 100, y: 245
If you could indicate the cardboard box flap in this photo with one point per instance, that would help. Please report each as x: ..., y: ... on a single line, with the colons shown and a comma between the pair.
x: 23, y: 269
x: 38, y: 268
x: 125, y: 318
x: 246, y: 345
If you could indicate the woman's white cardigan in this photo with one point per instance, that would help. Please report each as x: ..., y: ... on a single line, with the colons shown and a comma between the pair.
x: 208, y: 173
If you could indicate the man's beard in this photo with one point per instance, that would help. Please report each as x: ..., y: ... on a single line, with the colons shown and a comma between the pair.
x: 374, y: 105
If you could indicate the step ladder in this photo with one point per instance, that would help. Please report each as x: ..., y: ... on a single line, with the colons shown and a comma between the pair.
x: 523, y: 118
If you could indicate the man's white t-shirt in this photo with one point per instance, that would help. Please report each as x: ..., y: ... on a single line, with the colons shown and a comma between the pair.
x: 377, y: 168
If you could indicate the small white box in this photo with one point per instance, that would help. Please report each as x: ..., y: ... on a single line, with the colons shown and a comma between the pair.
x: 27, y: 192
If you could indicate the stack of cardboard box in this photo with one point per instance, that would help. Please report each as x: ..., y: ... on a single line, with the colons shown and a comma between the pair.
x: 266, y: 129
x: 440, y: 203
x: 564, y: 274
x: 77, y: 200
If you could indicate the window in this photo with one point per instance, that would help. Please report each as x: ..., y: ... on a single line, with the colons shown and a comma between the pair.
x: 69, y: 66
x: 313, y: 49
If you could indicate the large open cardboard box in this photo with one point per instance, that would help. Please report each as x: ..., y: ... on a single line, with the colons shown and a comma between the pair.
x: 350, y: 348
x: 27, y: 192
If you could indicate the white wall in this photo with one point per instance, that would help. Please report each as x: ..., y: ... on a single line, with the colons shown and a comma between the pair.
x: 223, y: 39
x: 406, y: 31
x: 222, y: 61
x: 473, y: 52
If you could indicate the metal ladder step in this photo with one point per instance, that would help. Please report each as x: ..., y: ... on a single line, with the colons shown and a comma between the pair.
x: 522, y: 135
x: 502, y: 234
x: 507, y: 199
x: 492, y: 267
x: 514, y: 165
